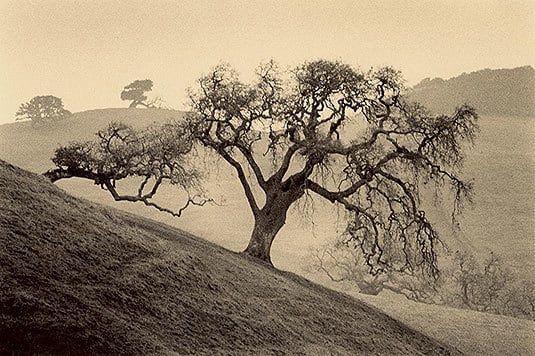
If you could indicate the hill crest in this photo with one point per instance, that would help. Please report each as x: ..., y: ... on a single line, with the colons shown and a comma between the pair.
x: 496, y: 92
x: 32, y: 148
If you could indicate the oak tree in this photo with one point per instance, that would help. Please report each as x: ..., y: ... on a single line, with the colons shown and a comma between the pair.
x: 342, y: 135
x: 335, y: 133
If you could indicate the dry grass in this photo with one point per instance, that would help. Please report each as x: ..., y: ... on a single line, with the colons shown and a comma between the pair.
x: 474, y: 333
x: 79, y: 278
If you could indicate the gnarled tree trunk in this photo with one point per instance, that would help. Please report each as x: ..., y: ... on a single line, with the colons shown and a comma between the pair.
x: 265, y: 229
x: 270, y: 219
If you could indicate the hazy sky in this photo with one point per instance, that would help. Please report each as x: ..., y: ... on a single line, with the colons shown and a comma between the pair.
x: 86, y: 51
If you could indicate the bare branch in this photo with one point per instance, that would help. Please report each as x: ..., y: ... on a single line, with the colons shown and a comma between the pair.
x: 243, y: 180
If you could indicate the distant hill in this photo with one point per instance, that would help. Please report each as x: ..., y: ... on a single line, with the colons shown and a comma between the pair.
x: 498, y: 92
x: 78, y: 278
x: 32, y: 148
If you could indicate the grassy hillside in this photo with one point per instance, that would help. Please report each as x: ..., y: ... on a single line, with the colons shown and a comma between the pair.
x: 498, y: 92
x: 474, y: 333
x: 80, y: 278
x: 502, y: 163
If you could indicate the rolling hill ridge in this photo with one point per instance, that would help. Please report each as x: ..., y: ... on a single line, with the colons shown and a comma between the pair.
x: 495, y: 92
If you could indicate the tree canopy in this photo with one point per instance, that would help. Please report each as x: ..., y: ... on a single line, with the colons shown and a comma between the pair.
x: 135, y: 92
x: 345, y: 136
x: 333, y: 132
x: 42, y: 109
x: 157, y: 155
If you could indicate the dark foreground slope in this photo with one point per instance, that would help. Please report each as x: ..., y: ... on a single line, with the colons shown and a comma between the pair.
x: 78, y: 278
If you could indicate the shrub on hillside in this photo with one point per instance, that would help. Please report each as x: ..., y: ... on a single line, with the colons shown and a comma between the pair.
x: 488, y: 286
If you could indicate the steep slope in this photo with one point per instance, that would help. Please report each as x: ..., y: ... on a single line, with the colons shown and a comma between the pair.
x: 498, y: 92
x: 79, y: 278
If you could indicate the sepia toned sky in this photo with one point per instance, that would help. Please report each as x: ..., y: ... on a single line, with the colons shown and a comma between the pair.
x: 86, y: 51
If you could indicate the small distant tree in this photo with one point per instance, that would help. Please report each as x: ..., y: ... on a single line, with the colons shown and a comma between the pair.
x: 135, y: 92
x: 42, y: 109
x: 490, y: 286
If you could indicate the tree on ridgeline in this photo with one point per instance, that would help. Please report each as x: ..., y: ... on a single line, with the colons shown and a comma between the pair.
x: 42, y: 109
x: 135, y: 92
x: 332, y: 132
